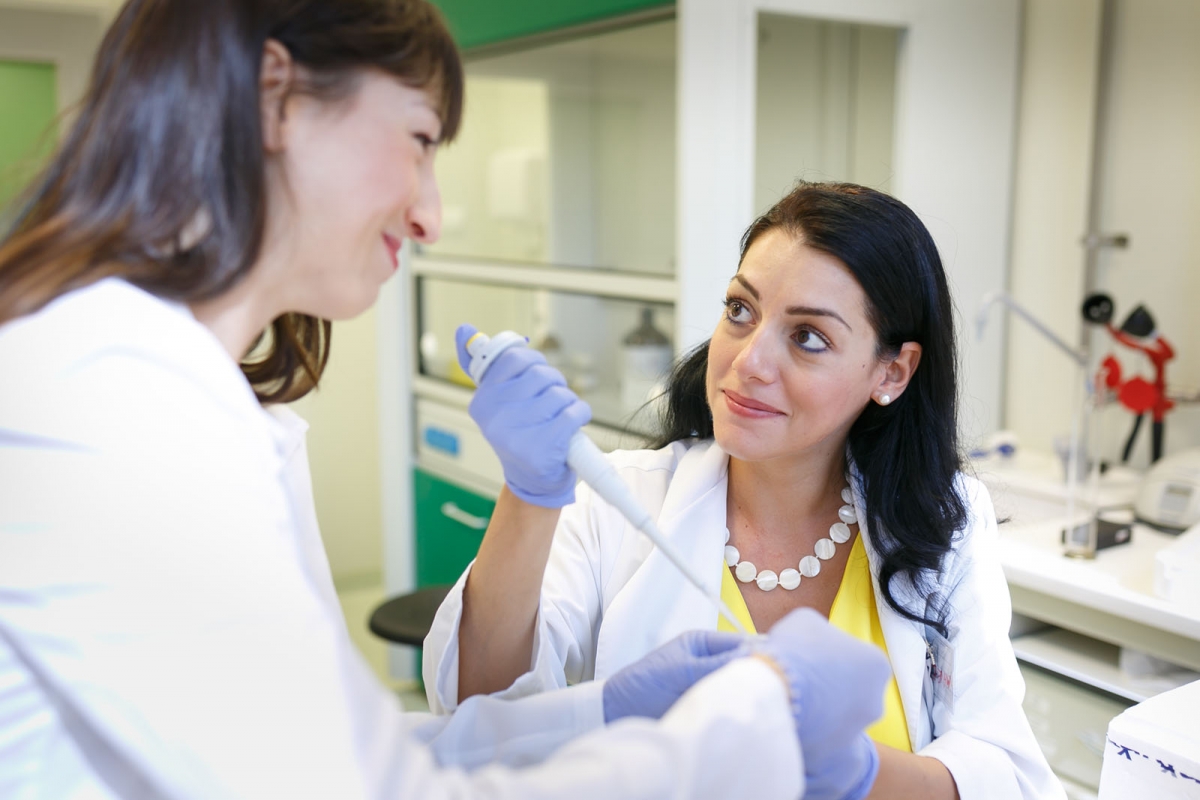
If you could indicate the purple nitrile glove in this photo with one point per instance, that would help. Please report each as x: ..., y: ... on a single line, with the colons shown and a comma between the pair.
x: 836, y: 684
x: 651, y: 685
x: 528, y: 415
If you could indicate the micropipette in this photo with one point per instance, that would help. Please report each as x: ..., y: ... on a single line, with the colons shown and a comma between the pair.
x: 594, y: 469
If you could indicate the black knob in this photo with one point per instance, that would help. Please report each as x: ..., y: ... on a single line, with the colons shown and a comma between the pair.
x: 1098, y: 309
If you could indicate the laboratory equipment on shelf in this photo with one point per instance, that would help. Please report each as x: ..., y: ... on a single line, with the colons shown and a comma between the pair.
x: 1177, y: 570
x: 646, y: 357
x: 1169, y: 497
x: 1138, y: 332
x: 991, y: 298
x: 594, y: 469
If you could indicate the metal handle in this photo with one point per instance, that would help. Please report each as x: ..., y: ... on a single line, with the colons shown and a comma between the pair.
x: 458, y: 515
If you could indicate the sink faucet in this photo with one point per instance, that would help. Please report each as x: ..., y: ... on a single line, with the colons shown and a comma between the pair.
x: 991, y: 298
x: 1079, y: 541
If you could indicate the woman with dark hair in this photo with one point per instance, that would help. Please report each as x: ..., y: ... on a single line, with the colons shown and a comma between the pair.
x: 241, y: 172
x: 809, y: 460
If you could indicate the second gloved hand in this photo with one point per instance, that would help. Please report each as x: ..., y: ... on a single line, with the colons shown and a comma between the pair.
x: 651, y: 685
x: 528, y: 415
x: 836, y: 684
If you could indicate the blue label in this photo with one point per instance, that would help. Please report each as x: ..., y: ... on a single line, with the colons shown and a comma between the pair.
x: 442, y: 440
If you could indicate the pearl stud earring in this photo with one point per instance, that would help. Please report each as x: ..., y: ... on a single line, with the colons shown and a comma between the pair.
x: 884, y: 399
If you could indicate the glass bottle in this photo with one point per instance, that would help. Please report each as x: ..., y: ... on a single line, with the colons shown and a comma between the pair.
x: 645, y: 360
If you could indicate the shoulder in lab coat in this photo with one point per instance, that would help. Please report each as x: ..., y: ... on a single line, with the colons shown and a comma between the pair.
x: 609, y: 597
x: 168, y: 627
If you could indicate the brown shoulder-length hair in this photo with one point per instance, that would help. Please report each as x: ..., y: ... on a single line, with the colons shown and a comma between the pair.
x: 161, y: 179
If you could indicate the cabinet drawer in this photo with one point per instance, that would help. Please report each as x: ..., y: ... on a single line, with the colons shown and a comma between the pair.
x: 450, y: 522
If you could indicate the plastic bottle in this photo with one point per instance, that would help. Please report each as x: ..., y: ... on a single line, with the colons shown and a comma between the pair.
x: 645, y: 359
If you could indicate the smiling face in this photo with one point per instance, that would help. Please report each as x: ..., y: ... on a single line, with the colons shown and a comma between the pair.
x: 353, y: 178
x: 793, y: 361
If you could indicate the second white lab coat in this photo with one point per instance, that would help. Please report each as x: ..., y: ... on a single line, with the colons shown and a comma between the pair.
x: 609, y: 597
x: 169, y: 630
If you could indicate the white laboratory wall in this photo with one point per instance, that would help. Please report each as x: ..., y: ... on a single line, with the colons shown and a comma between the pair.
x: 954, y: 122
x: 826, y: 104
x: 344, y: 454
x: 1051, y: 186
x: 1149, y: 185
x: 1149, y: 188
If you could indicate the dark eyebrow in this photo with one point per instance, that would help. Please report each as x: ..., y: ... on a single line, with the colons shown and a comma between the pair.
x: 797, y: 310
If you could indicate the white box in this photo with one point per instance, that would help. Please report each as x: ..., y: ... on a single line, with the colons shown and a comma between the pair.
x: 1153, y: 749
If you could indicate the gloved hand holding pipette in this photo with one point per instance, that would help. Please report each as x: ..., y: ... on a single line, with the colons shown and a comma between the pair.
x: 532, y: 420
x: 528, y: 415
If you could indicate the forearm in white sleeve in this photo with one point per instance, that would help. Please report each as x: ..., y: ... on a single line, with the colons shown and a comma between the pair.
x: 732, y: 735
x: 515, y: 733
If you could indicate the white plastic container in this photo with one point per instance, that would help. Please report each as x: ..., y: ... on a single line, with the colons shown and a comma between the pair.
x: 1153, y: 749
x: 1177, y: 570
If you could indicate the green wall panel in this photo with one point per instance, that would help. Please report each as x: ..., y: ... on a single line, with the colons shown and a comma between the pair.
x: 28, y: 106
x: 479, y: 22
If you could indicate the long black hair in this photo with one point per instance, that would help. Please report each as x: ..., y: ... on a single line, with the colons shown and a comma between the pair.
x: 170, y: 132
x: 906, y: 453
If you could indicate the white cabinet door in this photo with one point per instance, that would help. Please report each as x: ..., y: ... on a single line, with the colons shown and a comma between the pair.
x: 956, y: 67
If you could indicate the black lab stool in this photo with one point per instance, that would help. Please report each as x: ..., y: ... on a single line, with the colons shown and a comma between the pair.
x: 407, y: 619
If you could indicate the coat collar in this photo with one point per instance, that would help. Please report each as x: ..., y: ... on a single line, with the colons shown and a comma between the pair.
x: 657, y: 604
x: 693, y: 519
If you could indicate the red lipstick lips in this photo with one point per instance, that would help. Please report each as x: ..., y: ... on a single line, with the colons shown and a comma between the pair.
x: 746, y: 407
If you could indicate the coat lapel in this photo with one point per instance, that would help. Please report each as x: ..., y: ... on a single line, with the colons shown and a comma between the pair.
x: 904, y: 638
x: 658, y: 603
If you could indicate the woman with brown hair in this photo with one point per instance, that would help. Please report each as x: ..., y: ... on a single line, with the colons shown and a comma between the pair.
x: 241, y: 172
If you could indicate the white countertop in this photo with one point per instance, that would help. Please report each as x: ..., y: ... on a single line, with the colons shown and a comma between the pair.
x: 1118, y: 581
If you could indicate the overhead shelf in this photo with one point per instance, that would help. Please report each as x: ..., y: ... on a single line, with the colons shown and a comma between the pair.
x: 580, y: 280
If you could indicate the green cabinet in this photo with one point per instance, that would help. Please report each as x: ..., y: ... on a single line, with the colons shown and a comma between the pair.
x: 480, y: 22
x: 450, y: 522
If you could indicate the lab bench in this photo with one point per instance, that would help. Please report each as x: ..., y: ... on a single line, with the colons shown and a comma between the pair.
x: 1073, y: 617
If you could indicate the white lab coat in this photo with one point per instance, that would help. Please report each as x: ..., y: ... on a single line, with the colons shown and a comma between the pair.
x: 168, y: 626
x: 609, y: 596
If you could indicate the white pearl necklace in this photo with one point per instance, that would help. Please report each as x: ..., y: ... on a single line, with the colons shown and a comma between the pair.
x: 810, y: 566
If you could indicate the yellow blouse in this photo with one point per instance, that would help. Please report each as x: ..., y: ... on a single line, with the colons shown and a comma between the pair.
x: 854, y: 612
